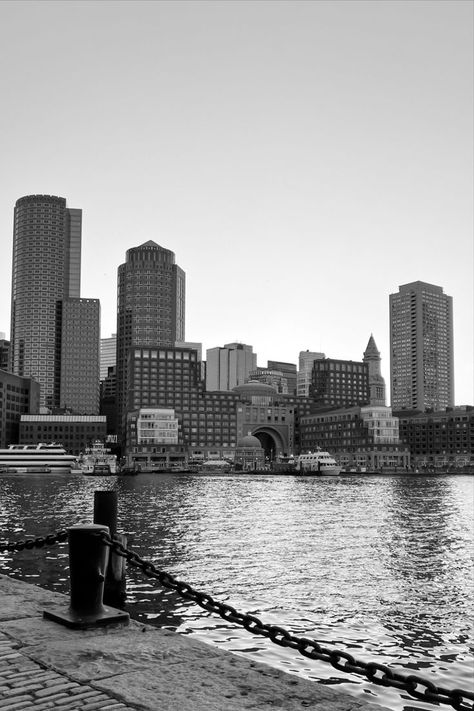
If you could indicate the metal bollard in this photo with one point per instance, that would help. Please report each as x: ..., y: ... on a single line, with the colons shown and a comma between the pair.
x: 88, y: 557
x: 105, y: 513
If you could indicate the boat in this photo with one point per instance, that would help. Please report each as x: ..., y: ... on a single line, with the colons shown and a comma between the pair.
x: 97, y: 460
x: 318, y: 463
x: 36, y: 459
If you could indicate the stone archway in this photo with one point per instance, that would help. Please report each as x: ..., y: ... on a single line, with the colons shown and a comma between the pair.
x: 271, y: 442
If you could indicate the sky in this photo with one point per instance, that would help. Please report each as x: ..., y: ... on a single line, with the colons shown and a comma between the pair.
x: 302, y: 159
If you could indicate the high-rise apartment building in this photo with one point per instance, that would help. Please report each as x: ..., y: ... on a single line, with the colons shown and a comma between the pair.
x: 229, y: 366
x: 421, y: 347
x: 46, y: 272
x: 150, y: 309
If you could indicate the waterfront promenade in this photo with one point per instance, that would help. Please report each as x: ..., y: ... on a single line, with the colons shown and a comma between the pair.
x: 44, y: 665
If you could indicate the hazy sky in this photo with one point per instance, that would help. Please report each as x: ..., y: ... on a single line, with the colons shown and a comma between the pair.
x: 301, y: 159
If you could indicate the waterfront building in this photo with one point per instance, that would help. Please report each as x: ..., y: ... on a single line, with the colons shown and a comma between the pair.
x: 4, y: 353
x: 376, y: 380
x: 421, y: 347
x: 46, y: 272
x: 18, y: 396
x: 150, y: 310
x: 266, y: 415
x: 74, y: 432
x: 275, y: 378
x: 439, y: 438
x: 198, y: 348
x: 160, y: 377
x: 249, y: 454
x: 152, y: 434
x: 357, y: 437
x: 289, y: 372
x: 229, y: 366
x: 305, y: 368
x: 108, y: 355
x: 339, y: 383
x: 80, y: 338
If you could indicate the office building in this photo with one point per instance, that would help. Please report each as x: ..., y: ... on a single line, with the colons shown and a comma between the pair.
x: 108, y: 355
x: 229, y: 366
x: 421, y: 347
x: 18, y: 396
x: 339, y: 383
x: 305, y: 367
x: 4, y: 353
x: 364, y: 438
x: 46, y: 272
x: 289, y: 371
x: 150, y: 309
x: 439, y: 440
x: 80, y: 337
x: 275, y: 378
x: 74, y: 432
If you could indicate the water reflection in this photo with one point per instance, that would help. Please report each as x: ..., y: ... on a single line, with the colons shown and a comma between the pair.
x: 376, y: 565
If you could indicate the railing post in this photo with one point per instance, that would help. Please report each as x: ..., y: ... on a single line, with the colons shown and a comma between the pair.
x: 87, y: 566
x: 106, y: 514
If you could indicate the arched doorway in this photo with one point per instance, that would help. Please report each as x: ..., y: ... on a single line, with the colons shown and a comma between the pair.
x: 271, y: 442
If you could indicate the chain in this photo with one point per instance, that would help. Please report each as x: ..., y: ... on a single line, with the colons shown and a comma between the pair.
x: 415, y: 685
x: 39, y: 542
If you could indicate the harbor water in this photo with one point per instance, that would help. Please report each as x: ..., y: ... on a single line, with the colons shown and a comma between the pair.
x: 378, y: 566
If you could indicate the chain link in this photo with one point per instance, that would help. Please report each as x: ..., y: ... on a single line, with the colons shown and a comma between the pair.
x: 415, y: 685
x: 39, y: 542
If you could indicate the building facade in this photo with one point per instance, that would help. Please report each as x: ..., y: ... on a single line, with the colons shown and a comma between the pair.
x: 150, y: 309
x: 108, y: 355
x: 229, y: 366
x: 80, y: 338
x: 74, y: 432
x: 18, y: 396
x: 339, y: 383
x: 421, y: 347
x: 4, y: 353
x: 441, y: 439
x: 365, y: 438
x: 275, y: 378
x: 289, y: 371
x: 305, y: 368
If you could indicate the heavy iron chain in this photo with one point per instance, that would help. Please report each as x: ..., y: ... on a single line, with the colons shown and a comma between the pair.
x: 415, y: 685
x: 30, y: 543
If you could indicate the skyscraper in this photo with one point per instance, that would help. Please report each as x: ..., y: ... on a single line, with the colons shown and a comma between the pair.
x: 305, y: 366
x: 150, y: 308
x: 108, y: 354
x: 229, y: 366
x: 421, y: 347
x: 46, y: 272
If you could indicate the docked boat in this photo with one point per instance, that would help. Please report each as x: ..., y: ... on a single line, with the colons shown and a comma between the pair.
x: 318, y: 463
x: 97, y: 460
x: 36, y: 459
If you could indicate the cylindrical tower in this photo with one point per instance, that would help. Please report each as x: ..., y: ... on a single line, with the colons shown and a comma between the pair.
x: 46, y: 270
x: 150, y: 307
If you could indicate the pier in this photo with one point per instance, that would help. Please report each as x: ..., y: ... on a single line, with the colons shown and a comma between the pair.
x: 45, y: 665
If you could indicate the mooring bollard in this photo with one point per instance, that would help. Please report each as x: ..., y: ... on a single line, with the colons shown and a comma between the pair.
x: 88, y: 556
x: 105, y: 513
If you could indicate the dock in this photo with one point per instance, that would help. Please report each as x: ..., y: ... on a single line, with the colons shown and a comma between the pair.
x: 135, y: 667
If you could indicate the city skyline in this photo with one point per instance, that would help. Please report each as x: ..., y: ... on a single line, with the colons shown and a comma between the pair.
x: 302, y: 160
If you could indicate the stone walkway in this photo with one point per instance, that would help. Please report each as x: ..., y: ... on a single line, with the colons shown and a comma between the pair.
x: 44, y: 665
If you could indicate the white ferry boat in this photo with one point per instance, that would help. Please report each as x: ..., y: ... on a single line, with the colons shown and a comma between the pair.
x: 36, y: 459
x: 317, y: 463
x: 97, y: 459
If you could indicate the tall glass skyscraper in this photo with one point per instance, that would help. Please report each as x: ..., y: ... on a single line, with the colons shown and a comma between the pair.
x: 150, y: 308
x: 46, y: 272
x: 421, y: 347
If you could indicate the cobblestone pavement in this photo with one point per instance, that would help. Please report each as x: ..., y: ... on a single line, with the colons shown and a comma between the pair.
x: 24, y: 684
